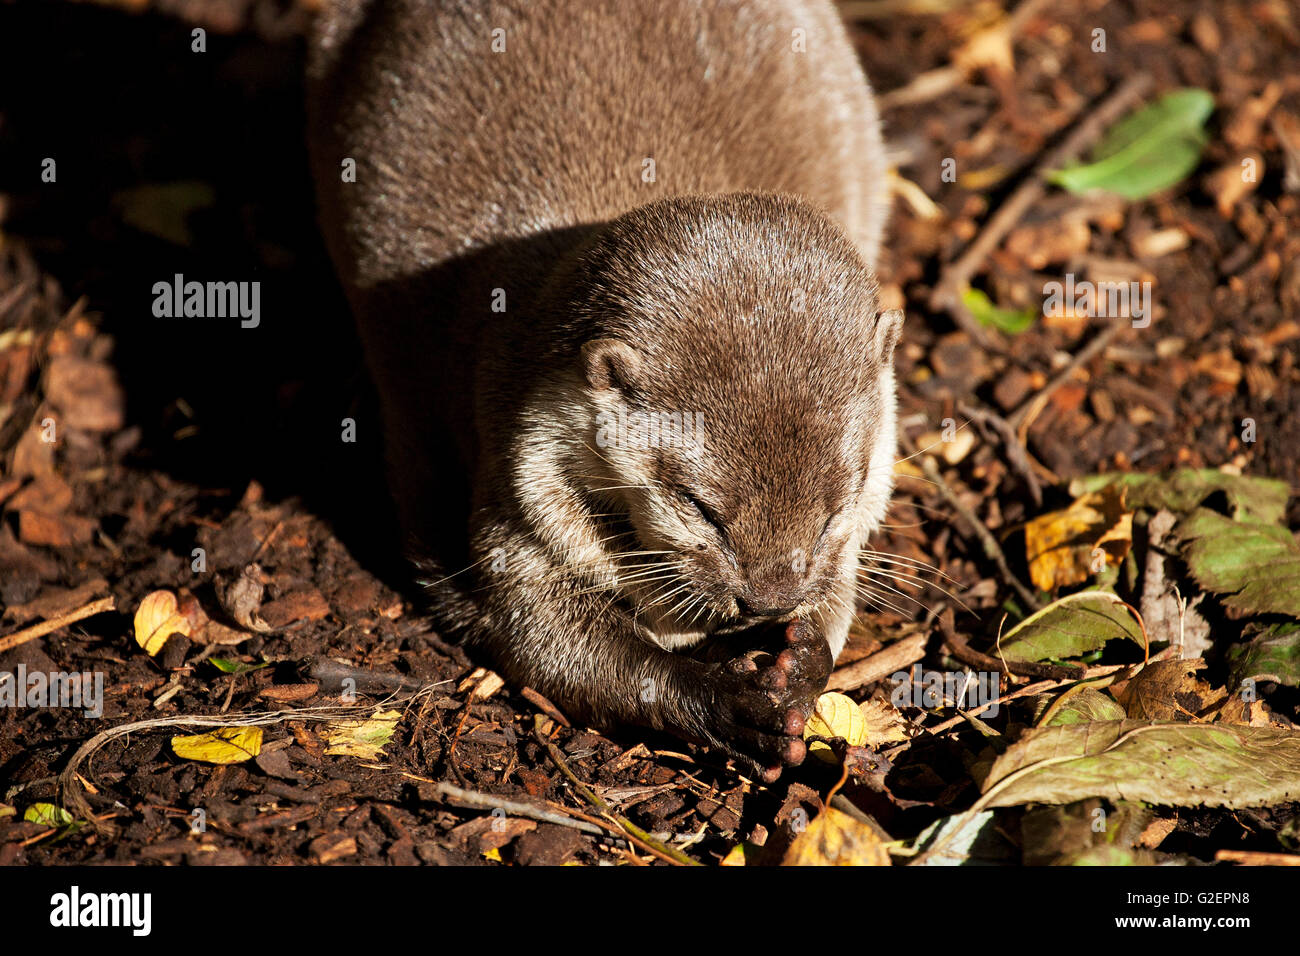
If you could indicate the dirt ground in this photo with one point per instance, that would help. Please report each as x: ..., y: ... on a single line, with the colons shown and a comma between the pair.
x: 176, y: 436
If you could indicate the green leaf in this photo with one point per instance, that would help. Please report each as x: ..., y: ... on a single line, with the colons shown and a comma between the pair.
x: 1273, y: 655
x: 48, y: 815
x: 1086, y: 705
x: 362, y: 738
x: 1074, y: 625
x: 1147, y: 151
x: 229, y: 666
x: 1252, y: 499
x: 1171, y: 764
x: 1008, y: 320
x: 1252, y: 567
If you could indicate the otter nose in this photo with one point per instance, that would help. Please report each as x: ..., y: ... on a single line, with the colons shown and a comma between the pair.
x: 760, y: 610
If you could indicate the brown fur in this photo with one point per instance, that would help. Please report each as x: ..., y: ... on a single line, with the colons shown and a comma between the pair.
x: 737, y: 284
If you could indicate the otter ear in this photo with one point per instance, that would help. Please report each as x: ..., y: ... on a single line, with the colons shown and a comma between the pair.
x: 889, y: 325
x: 611, y: 363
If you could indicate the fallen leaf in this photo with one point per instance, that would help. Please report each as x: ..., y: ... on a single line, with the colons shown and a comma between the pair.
x: 1174, y: 764
x: 1168, y: 690
x: 48, y: 815
x: 1273, y: 654
x: 1253, y: 567
x: 986, y: 313
x: 53, y: 602
x: 834, y: 715
x: 157, y: 619
x: 87, y: 393
x: 55, y: 531
x: 362, y: 737
x: 1072, y: 545
x: 1081, y: 706
x: 227, y: 745
x: 1077, y: 624
x: 884, y: 723
x: 1257, y: 499
x: 48, y: 494
x: 834, y: 838
x: 964, y: 840
x: 1148, y: 150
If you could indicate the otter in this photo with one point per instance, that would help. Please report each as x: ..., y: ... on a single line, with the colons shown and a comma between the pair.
x: 612, y: 267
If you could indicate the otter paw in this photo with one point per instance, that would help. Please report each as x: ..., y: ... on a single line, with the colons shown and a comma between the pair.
x: 761, y: 702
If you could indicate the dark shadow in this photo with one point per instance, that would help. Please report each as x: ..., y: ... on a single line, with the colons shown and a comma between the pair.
x: 120, y: 102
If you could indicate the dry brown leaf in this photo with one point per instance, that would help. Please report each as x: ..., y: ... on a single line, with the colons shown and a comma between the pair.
x: 1168, y: 690
x: 884, y: 723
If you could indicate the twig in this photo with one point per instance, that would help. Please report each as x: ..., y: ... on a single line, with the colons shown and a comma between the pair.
x: 544, y: 705
x: 1257, y: 858
x: 956, y: 276
x: 10, y: 641
x: 896, y: 657
x: 1017, y: 454
x: 658, y: 848
x: 473, y: 799
x: 1027, y: 690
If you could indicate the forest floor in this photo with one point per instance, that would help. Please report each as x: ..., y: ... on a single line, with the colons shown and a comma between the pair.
x: 187, y: 463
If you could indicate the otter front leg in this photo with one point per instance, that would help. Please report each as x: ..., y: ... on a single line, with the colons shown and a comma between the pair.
x: 592, y: 660
x: 760, y: 699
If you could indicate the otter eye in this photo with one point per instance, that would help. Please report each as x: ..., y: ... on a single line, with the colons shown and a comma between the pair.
x: 827, y: 526
x: 704, y: 511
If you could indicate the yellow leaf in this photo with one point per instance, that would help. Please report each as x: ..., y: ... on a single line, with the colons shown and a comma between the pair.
x: 493, y: 854
x: 227, y: 745
x: 735, y: 856
x: 362, y: 738
x: 1070, y: 546
x: 836, y: 839
x: 156, y: 619
x: 835, y: 715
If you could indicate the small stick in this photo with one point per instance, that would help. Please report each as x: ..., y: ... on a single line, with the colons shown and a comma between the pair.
x: 1257, y: 858
x: 896, y: 657
x: 956, y: 276
x: 473, y: 799
x: 933, y: 83
x: 1039, y: 688
x: 544, y: 705
x: 10, y: 641
x: 1017, y: 454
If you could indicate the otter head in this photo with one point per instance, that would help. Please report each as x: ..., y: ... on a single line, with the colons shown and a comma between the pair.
x: 740, y: 400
